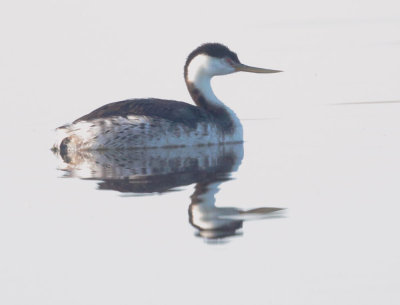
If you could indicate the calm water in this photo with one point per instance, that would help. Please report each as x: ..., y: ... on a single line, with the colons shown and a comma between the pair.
x: 111, y: 227
x: 157, y: 171
x: 304, y: 212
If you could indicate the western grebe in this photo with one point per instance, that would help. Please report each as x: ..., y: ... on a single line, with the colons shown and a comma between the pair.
x: 160, y: 123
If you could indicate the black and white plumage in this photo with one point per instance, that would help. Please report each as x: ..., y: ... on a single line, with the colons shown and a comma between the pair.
x: 162, y: 123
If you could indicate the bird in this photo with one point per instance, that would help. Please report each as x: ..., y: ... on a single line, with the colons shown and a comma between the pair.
x: 153, y: 122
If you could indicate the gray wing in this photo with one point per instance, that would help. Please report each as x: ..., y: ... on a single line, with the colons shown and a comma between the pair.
x: 174, y: 111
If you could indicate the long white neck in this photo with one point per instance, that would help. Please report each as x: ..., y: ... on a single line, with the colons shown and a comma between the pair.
x: 201, y: 80
x: 198, y: 76
x: 198, y: 80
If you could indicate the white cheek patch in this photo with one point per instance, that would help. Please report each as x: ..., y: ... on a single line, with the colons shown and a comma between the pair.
x: 198, y: 67
x: 205, y: 66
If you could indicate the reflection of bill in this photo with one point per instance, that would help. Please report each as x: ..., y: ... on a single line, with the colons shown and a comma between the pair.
x: 163, y: 169
x: 218, y: 222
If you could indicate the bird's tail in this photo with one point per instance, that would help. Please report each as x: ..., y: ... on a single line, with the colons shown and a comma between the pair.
x: 61, y: 134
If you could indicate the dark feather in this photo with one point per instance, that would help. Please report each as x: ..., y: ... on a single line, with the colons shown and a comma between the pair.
x: 212, y: 49
x: 174, y: 111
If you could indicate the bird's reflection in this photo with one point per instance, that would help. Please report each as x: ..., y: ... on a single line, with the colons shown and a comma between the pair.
x: 164, y: 169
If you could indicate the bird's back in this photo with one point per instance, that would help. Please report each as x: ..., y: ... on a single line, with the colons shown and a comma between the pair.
x: 174, y: 111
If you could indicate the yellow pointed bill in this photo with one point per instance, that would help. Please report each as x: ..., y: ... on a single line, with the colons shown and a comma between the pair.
x: 242, y: 67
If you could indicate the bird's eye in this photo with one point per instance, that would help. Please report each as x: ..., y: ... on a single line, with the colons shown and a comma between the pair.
x: 228, y: 60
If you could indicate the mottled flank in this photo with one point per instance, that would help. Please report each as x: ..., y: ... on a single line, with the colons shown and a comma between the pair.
x: 138, y: 131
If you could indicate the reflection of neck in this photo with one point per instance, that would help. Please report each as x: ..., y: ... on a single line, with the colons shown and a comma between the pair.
x: 211, y: 221
x: 204, y: 194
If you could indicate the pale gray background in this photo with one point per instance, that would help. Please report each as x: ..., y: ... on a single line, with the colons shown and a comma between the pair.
x: 335, y: 167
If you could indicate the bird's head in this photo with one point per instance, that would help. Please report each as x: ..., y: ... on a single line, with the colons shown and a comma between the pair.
x: 211, y: 59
